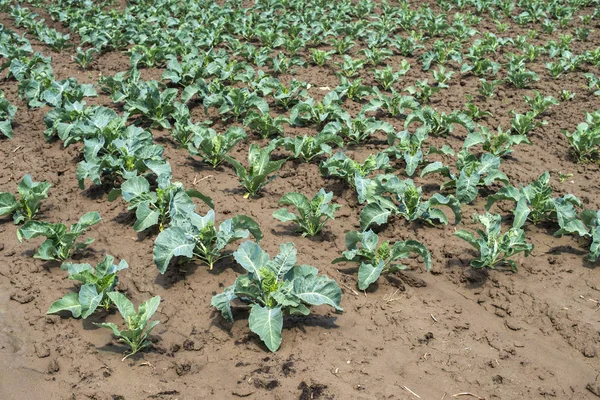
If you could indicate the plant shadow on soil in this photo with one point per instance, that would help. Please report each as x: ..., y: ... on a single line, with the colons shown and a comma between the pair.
x: 199, y: 165
x: 240, y: 191
x: 476, y: 278
x: 286, y: 230
x: 82, y: 254
x: 312, y: 320
x: 47, y: 264
x: 289, y: 322
x: 98, y: 192
x: 112, y: 347
x: 338, y: 188
x: 177, y: 272
x: 51, y: 264
x: 89, y: 324
x: 147, y: 233
x: 125, y: 218
x: 241, y: 312
x: 473, y: 278
x: 312, y: 391
x: 291, y: 231
x: 589, y: 264
x: 566, y: 249
x: 431, y: 188
x: 166, y: 140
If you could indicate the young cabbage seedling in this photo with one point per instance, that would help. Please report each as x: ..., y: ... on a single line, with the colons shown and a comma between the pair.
x: 358, y: 130
x: 213, y: 147
x: 488, y: 88
x: 310, y: 112
x: 387, y: 195
x: 354, y: 90
x: 591, y: 220
x: 282, y: 64
x: 59, y: 93
x: 287, y: 97
x: 442, y: 76
x: 24, y: 209
x: 387, y: 77
x: 97, y: 284
x: 154, y: 103
x: 170, y: 201
x: 539, y: 103
x: 375, y: 55
x: 473, y: 111
x: 535, y: 203
x: 123, y: 85
x: 522, y: 124
x: 395, y: 105
x: 519, y: 76
x: 197, y: 236
x: 407, y: 146
x: 60, y: 244
x: 84, y: 57
x: 350, y: 67
x: 307, y: 148
x: 264, y: 125
x: 312, y: 214
x: 593, y: 83
x: 192, y: 67
x: 375, y: 260
x: 341, y: 45
x: 73, y: 122
x: 275, y: 287
x: 566, y: 95
x: 342, y: 166
x: 30, y: 88
x: 320, y: 57
x: 7, y: 115
x: 138, y: 325
x: 497, y: 143
x: 422, y: 90
x: 148, y: 56
x: 184, y: 130
x: 440, y: 123
x: 236, y: 102
x: 585, y: 140
x: 495, y: 247
x: 260, y: 168
x: 473, y: 171
x: 128, y: 155
x: 407, y: 45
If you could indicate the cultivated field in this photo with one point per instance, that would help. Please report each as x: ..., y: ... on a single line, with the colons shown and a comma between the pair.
x: 315, y: 199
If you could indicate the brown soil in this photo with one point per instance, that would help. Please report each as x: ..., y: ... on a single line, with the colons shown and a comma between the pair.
x: 496, y: 335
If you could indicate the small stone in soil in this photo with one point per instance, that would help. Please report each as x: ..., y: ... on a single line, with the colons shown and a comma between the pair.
x: 428, y: 337
x: 589, y: 351
x: 41, y: 350
x: 190, y: 345
x: 512, y: 325
x: 288, y: 368
x: 22, y: 298
x: 314, y: 391
x: 53, y: 366
x: 266, y: 384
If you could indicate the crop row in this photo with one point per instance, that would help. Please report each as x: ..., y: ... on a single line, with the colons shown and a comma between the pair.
x: 210, y: 60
